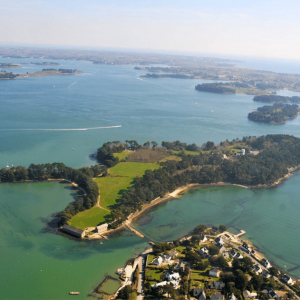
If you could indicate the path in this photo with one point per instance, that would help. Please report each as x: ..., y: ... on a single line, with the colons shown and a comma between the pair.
x: 98, y: 203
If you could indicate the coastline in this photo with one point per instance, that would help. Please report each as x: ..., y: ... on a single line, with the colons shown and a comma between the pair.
x: 181, y: 190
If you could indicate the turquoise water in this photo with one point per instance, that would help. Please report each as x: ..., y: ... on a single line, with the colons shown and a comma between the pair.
x: 147, y: 109
x: 269, y: 216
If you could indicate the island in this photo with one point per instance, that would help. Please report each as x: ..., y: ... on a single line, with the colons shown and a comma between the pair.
x: 44, y: 72
x: 219, y: 88
x: 276, y: 99
x: 9, y: 66
x: 208, y: 263
x: 244, y: 80
x: 275, y: 114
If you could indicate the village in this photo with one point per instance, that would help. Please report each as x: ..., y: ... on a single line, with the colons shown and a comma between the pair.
x: 212, y: 263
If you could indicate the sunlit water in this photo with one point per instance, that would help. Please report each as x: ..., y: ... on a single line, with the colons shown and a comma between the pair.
x: 147, y: 109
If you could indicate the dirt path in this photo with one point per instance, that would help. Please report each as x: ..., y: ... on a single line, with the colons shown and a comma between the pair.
x: 98, y: 204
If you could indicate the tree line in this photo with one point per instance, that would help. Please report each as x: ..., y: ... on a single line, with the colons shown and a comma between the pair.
x: 218, y: 88
x: 276, y: 99
x: 277, y: 153
x: 40, y: 172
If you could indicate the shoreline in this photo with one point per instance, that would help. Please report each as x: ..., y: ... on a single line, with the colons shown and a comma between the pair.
x: 180, y: 191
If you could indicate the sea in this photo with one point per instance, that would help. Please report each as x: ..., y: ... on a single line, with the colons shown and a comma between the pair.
x: 66, y: 118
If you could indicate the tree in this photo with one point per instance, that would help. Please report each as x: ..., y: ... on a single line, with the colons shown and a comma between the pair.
x: 154, y: 144
x: 213, y: 250
x: 195, y: 239
x: 273, y: 271
x: 241, y: 280
x: 125, y: 292
x: 222, y: 228
x: 257, y: 281
x: 200, y: 229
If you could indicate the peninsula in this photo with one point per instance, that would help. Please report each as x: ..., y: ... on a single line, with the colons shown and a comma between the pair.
x: 209, y: 263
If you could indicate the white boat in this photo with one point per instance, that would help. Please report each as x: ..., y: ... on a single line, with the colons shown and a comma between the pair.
x: 7, y: 166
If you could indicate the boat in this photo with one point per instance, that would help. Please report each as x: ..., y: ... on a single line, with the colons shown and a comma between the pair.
x: 74, y: 293
x: 101, y: 243
x: 7, y: 166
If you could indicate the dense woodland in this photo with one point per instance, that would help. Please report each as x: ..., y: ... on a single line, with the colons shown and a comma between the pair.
x: 40, y: 172
x: 7, y: 75
x: 218, y: 88
x: 276, y: 99
x: 276, y: 154
x: 278, y: 113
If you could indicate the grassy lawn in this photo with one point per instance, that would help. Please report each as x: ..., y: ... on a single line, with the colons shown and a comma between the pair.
x: 153, y: 273
x: 150, y: 259
x: 111, y: 186
x: 88, y: 218
x: 122, y: 155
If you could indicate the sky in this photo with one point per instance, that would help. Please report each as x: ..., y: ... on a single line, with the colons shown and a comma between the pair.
x: 256, y: 28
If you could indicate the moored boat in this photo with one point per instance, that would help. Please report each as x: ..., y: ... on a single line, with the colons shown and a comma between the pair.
x: 74, y: 293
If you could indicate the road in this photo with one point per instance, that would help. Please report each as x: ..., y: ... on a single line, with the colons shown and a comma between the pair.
x: 140, y: 285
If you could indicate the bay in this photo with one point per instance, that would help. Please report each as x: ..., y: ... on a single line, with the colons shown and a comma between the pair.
x: 147, y: 109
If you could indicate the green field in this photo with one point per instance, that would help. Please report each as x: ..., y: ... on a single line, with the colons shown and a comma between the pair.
x: 154, y: 274
x: 186, y: 152
x: 111, y: 186
x: 109, y: 192
x: 122, y: 155
x: 88, y: 218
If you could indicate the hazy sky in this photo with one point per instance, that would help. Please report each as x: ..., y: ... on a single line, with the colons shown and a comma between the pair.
x: 232, y: 27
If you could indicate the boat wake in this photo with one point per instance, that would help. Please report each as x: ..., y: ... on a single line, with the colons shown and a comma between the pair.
x: 72, y: 84
x: 63, y: 129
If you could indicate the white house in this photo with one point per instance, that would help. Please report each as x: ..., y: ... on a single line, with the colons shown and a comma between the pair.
x: 166, y: 258
x: 241, y: 152
x: 232, y: 297
x: 265, y: 274
x: 157, y: 261
x: 204, y: 252
x: 287, y: 279
x: 173, y: 276
x: 239, y: 256
x: 158, y: 284
x: 266, y: 263
x: 248, y: 294
x: 219, y: 242
x: 214, y: 272
x: 257, y: 269
x: 246, y: 248
x: 173, y: 253
x: 203, y: 238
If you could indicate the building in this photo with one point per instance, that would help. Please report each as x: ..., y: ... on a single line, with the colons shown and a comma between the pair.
x: 172, y: 276
x: 287, y: 279
x: 232, y: 297
x: 73, y: 231
x: 232, y: 253
x: 216, y: 285
x: 272, y: 294
x: 215, y: 229
x: 219, y: 242
x: 246, y: 248
x: 173, y: 253
x: 102, y: 228
x: 203, y: 238
x: 265, y: 274
x: 204, y: 252
x: 241, y: 152
x: 239, y: 256
x: 217, y: 297
x: 157, y: 261
x: 199, y: 294
x: 158, y: 284
x: 214, y: 272
x: 226, y: 255
x: 257, y: 269
x: 166, y: 258
x: 265, y: 263
x: 248, y: 294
